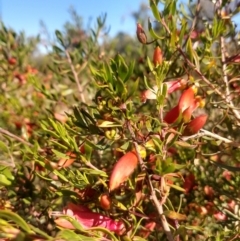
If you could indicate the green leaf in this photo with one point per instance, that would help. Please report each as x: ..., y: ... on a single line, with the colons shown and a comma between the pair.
x: 71, y: 235
x: 57, y: 49
x: 217, y: 27
x: 183, y: 31
x: 94, y: 172
x: 229, y: 168
x: 150, y: 65
x: 3, y: 146
x: 154, y: 9
x: 130, y: 71
x: 184, y: 13
x: 6, y: 172
x: 9, y: 215
x: 174, y: 215
x: 61, y: 176
x: 4, y: 181
x: 59, y: 37
x: 133, y: 89
x: 42, y: 233
x: 164, y: 89
x: 192, y: 54
x: 177, y: 187
x: 107, y: 124
x: 152, y: 32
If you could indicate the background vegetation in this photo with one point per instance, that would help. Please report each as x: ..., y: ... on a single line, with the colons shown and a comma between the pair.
x: 67, y: 118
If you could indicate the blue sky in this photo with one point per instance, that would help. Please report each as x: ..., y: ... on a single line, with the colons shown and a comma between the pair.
x: 26, y: 14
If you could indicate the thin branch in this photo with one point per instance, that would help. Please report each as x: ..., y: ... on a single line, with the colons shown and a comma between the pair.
x: 154, y: 198
x: 204, y: 132
x: 90, y: 165
x: 216, y: 136
x: 7, y: 133
x: 230, y: 104
x: 80, y: 89
x: 224, y: 68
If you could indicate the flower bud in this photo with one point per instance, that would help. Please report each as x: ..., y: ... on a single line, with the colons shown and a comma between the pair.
x: 105, y: 201
x: 157, y: 56
x: 142, y: 37
x: 12, y: 61
x: 195, y: 125
x: 123, y: 169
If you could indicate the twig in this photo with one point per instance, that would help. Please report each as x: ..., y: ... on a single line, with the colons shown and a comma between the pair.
x: 90, y: 165
x: 80, y: 89
x: 204, y: 132
x: 216, y: 136
x: 224, y: 68
x: 154, y: 198
x: 7, y: 133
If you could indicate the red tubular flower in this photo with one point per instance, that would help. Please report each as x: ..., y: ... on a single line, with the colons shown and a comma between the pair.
x: 172, y: 86
x: 123, y: 169
x: 142, y: 37
x: 186, y: 99
x: 195, y: 125
x: 149, y: 94
x: 172, y: 115
x: 89, y: 219
x: 175, y: 85
x: 188, y: 112
x: 157, y: 56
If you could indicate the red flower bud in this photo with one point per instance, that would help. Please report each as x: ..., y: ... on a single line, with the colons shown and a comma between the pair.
x: 195, y: 125
x: 189, y: 182
x: 105, y: 201
x: 157, y: 56
x: 142, y: 37
x: 123, y: 169
x: 12, y: 61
